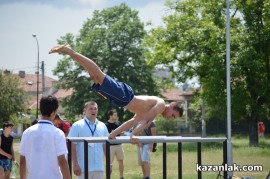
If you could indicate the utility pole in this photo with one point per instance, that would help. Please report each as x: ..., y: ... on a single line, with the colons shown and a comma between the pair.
x: 203, y: 119
x: 228, y: 85
x: 43, y: 78
x: 35, y: 36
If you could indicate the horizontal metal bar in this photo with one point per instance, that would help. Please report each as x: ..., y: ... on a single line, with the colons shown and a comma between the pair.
x: 145, y: 139
x: 193, y: 139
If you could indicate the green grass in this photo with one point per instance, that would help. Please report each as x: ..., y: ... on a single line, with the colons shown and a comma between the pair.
x: 211, y: 155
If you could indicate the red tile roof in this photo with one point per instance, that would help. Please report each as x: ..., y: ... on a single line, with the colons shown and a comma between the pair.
x: 29, y: 84
x: 175, y: 94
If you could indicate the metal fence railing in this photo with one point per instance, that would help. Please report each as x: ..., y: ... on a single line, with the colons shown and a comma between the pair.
x: 149, y: 139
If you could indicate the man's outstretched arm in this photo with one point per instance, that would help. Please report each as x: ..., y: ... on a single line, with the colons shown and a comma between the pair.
x: 140, y: 127
x: 125, y: 126
x: 151, y: 115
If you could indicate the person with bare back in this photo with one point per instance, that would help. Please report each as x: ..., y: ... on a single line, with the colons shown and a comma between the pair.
x: 146, y: 108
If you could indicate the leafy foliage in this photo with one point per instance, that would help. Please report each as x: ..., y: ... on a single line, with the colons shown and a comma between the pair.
x: 167, y: 127
x: 11, y: 98
x: 192, y: 43
x: 112, y: 38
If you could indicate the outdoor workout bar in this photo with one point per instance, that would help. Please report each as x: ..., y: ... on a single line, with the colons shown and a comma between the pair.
x: 147, y: 139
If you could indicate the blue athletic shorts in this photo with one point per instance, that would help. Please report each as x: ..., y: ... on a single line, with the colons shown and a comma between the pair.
x: 6, y: 164
x: 119, y: 93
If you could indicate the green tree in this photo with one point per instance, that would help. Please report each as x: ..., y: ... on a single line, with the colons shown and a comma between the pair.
x: 254, y: 61
x: 112, y: 38
x: 192, y: 43
x: 167, y: 127
x: 11, y: 98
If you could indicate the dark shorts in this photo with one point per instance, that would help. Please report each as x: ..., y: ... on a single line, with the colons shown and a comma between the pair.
x: 119, y: 94
x: 6, y: 164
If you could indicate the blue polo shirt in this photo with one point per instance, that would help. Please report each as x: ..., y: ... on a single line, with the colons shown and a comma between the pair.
x: 83, y: 128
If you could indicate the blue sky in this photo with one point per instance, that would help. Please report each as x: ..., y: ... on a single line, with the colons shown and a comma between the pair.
x: 50, y: 19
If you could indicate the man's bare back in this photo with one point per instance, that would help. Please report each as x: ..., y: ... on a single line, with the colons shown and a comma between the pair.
x: 141, y: 105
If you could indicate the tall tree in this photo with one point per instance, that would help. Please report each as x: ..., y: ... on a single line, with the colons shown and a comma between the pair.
x: 254, y: 61
x: 112, y: 38
x: 11, y: 98
x: 192, y: 43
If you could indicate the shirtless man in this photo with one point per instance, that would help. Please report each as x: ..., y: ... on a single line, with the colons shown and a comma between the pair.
x: 146, y: 108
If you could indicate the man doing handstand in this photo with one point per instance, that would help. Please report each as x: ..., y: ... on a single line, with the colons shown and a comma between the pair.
x: 146, y: 108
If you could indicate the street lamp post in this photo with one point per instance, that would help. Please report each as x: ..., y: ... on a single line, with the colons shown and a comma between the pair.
x: 228, y: 85
x: 35, y: 36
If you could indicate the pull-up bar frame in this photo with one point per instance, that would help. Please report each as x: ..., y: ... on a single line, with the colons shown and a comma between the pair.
x: 148, y: 139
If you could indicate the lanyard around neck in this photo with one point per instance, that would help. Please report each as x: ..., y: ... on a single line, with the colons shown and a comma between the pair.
x: 44, y: 122
x: 92, y: 131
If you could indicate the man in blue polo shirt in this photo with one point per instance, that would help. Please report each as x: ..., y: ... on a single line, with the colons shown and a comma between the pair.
x: 89, y: 126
